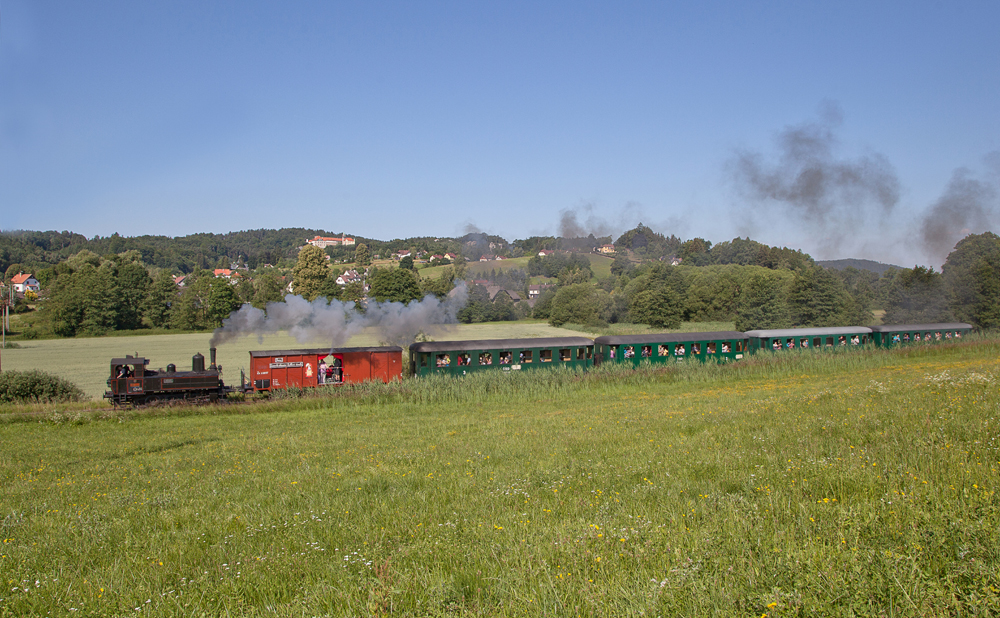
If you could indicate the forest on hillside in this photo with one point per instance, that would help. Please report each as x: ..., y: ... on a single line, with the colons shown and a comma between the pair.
x: 106, y: 284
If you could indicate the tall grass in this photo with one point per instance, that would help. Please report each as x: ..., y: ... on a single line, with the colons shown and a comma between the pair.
x: 850, y: 483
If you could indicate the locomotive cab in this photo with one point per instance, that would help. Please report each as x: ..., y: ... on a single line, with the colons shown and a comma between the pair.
x: 126, y: 379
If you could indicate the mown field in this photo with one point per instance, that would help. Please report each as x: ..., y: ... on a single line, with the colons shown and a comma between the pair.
x: 852, y: 483
x: 87, y: 361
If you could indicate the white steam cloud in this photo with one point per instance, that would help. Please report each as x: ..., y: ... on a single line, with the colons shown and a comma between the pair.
x: 337, y: 322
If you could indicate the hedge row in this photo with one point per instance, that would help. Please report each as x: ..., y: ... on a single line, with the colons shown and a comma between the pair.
x: 36, y: 386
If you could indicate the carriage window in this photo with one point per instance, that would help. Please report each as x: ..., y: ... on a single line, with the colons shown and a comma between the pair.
x: 443, y: 360
x: 590, y: 351
x: 612, y: 351
x: 937, y: 335
x: 579, y: 354
x: 927, y: 337
x: 817, y: 342
x: 842, y: 340
x: 711, y: 347
x: 829, y: 342
x: 661, y: 350
x: 565, y: 356
x: 776, y: 344
x: 629, y: 351
x: 464, y: 359
x: 916, y: 337
x: 526, y: 356
x: 485, y: 358
x: 958, y: 335
x: 679, y: 349
x: 947, y: 334
x: 790, y: 344
x: 647, y: 351
x: 803, y: 343
x: 506, y: 357
x: 855, y: 340
x: 727, y: 347
x: 423, y: 360
x: 696, y: 348
x: 739, y: 346
x: 545, y: 356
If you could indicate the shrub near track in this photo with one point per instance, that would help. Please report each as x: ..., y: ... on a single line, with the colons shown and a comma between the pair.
x: 853, y: 483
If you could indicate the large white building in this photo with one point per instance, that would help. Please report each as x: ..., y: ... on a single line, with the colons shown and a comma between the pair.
x: 326, y: 241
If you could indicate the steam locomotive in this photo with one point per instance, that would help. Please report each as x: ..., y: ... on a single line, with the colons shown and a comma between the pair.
x: 131, y: 382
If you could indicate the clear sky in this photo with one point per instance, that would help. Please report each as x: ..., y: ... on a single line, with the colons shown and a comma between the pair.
x: 846, y: 129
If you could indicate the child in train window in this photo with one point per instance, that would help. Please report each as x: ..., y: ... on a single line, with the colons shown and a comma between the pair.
x: 485, y: 358
x: 661, y: 350
x: 443, y: 360
x: 937, y: 335
x: 696, y: 348
x: 855, y: 340
x: 647, y: 351
x: 790, y: 344
x: 947, y: 334
x: 725, y: 347
x: 803, y: 343
x: 506, y: 357
x: 711, y: 348
x: 916, y: 337
x: 958, y: 335
x: 842, y: 340
x: 906, y: 337
x: 776, y: 345
x: 611, y: 352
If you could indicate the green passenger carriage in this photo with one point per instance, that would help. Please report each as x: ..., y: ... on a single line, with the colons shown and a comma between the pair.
x: 900, y: 334
x: 808, y: 338
x: 660, y: 348
x: 463, y: 357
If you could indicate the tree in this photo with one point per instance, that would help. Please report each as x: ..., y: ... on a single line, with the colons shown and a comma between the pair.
x: 362, y: 256
x: 917, y: 295
x: 656, y: 306
x: 972, y: 277
x: 580, y: 303
x: 762, y: 305
x: 267, y: 288
x: 162, y: 295
x: 310, y: 272
x: 817, y: 298
x: 394, y: 284
x: 222, y: 301
x: 406, y: 263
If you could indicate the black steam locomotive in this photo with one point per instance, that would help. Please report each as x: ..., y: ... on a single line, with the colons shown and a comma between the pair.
x: 132, y: 383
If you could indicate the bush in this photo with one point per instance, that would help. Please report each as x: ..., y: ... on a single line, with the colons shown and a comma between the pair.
x: 36, y: 386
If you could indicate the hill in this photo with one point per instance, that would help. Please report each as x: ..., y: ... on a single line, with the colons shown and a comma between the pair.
x: 876, y: 267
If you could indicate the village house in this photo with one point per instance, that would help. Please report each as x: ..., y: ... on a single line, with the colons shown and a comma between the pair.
x: 606, y: 249
x: 401, y: 254
x: 534, y: 291
x: 545, y: 252
x: 495, y: 290
x: 350, y: 276
x: 327, y: 241
x: 25, y: 283
x: 180, y: 280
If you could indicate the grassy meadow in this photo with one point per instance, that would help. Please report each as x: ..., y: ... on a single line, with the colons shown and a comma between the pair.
x: 848, y: 483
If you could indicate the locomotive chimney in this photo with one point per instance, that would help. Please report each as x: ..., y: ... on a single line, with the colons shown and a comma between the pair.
x: 211, y: 353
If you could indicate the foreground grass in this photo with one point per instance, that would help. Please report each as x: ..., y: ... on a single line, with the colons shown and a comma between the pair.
x: 853, y: 483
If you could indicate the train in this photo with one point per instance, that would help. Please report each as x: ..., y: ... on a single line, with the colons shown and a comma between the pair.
x: 132, y: 382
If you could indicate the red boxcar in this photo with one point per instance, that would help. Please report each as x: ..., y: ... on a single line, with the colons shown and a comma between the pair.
x: 270, y: 369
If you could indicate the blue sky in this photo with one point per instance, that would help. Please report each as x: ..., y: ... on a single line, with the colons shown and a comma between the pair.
x: 396, y: 119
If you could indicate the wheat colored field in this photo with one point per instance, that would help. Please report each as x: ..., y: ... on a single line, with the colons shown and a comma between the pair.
x: 86, y: 361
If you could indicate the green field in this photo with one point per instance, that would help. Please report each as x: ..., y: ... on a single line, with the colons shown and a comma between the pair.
x: 86, y: 361
x: 850, y: 483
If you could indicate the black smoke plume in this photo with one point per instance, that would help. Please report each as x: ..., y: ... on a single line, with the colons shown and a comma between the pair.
x: 967, y: 206
x: 829, y: 197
